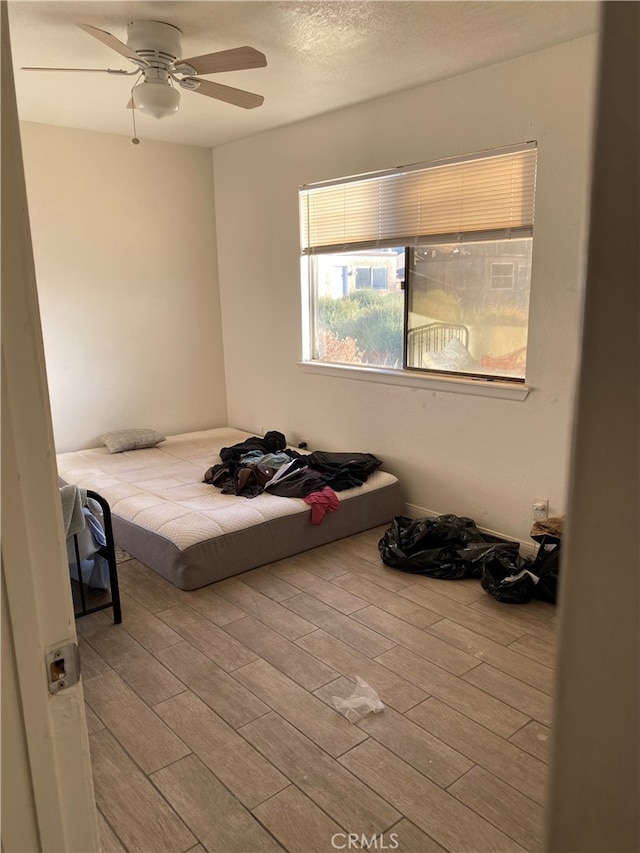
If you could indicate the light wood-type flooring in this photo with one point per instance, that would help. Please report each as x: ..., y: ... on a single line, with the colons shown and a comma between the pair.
x: 212, y: 727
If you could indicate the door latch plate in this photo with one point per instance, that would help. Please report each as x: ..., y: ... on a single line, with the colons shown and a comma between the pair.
x: 63, y: 667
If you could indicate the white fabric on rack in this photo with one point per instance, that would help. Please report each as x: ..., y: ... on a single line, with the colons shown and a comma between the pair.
x: 73, y: 498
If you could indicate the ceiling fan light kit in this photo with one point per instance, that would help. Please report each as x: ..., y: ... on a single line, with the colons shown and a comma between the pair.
x: 156, y: 98
x: 155, y: 48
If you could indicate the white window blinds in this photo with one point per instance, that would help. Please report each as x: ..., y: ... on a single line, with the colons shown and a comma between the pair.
x: 490, y: 195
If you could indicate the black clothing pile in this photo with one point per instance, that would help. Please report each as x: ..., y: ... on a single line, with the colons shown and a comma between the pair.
x: 267, y: 464
x: 343, y: 470
x: 450, y: 547
x: 271, y: 442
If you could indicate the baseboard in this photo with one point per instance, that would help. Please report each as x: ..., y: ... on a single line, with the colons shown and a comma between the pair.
x: 527, y: 549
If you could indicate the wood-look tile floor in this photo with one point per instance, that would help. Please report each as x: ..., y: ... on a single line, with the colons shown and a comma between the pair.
x: 212, y: 727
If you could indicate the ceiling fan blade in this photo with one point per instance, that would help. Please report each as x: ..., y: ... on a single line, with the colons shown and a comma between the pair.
x: 236, y: 59
x: 112, y: 42
x: 237, y: 97
x: 103, y: 70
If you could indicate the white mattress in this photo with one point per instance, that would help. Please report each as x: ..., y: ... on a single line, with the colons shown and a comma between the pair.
x: 160, y: 492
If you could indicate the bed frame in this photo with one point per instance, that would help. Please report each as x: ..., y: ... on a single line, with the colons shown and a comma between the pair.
x: 432, y: 338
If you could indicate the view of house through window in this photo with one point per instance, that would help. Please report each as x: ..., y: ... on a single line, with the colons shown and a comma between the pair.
x: 452, y: 294
x: 468, y: 307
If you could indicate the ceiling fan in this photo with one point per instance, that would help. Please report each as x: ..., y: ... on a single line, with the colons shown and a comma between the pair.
x: 155, y: 48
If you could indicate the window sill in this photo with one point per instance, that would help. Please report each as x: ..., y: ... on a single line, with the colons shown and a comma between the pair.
x: 428, y: 382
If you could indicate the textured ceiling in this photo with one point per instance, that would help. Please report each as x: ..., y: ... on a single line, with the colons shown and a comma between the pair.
x: 321, y: 55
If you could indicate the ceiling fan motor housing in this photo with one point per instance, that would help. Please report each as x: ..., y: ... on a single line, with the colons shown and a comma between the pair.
x: 155, y: 41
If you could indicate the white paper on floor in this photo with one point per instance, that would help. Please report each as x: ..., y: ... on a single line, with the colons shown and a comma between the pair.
x: 362, y: 701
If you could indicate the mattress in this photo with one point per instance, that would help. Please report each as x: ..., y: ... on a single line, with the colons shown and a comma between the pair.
x: 190, y: 532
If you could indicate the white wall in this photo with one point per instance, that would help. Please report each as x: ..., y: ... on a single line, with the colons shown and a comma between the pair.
x: 124, y: 246
x: 485, y: 458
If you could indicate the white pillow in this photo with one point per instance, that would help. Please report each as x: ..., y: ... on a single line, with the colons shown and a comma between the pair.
x: 130, y: 439
x: 454, y: 356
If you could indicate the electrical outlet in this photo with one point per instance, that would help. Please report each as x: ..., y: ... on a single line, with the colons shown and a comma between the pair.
x: 540, y: 509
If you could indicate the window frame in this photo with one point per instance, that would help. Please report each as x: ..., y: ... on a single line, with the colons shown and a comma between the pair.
x: 455, y: 379
x: 510, y: 276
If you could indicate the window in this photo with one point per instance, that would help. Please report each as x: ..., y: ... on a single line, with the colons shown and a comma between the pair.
x: 501, y: 276
x: 371, y: 278
x: 425, y: 268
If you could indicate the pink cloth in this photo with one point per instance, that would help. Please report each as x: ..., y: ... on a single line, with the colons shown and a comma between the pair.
x: 322, y: 502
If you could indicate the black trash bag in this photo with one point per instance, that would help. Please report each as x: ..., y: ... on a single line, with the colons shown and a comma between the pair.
x: 546, y: 565
x: 447, y: 547
x: 548, y: 572
x: 508, y: 576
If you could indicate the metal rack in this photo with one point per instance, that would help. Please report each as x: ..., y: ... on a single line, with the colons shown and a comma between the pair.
x: 109, y: 553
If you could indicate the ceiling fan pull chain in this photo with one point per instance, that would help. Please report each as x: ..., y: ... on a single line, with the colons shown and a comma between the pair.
x: 135, y: 139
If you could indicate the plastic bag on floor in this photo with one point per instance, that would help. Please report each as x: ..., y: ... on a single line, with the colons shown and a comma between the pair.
x: 362, y: 701
x: 508, y: 577
x: 546, y: 565
x: 448, y: 547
